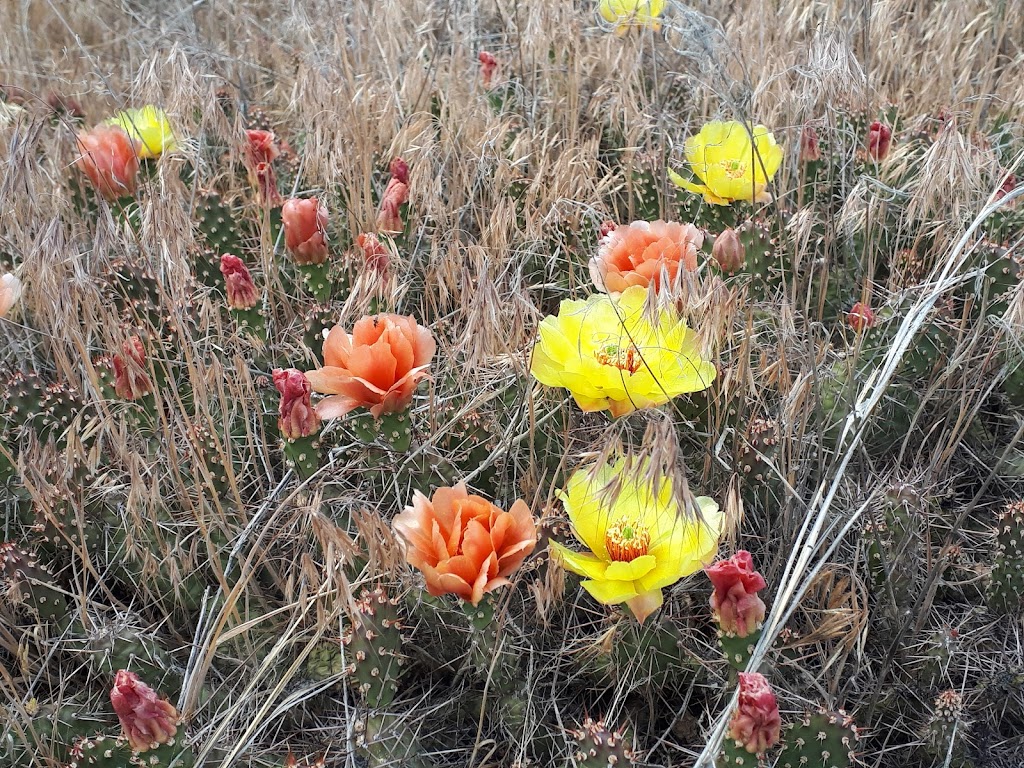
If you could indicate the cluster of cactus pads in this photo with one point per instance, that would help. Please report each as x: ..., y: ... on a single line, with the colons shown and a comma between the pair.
x: 167, y: 517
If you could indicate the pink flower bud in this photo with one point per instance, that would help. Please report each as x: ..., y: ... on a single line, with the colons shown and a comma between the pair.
x: 488, y: 66
x: 756, y: 725
x: 607, y: 227
x: 109, y: 160
x: 399, y: 169
x: 305, y: 230
x: 728, y: 252
x: 879, y: 140
x: 810, y: 151
x: 1009, y: 184
x: 259, y: 154
x: 396, y: 194
x: 261, y: 148
x: 738, y: 609
x: 147, y: 720
x: 860, y: 317
x: 296, y: 417
x: 10, y: 292
x: 375, y: 255
x: 238, y: 283
x: 130, y: 379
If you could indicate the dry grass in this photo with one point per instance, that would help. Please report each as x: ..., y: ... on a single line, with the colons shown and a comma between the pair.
x: 352, y: 84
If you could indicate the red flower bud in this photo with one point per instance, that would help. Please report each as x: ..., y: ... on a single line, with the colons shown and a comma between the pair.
x: 109, y: 160
x: 130, y: 379
x: 879, y: 139
x: 738, y: 609
x: 756, y: 725
x: 861, y: 316
x: 488, y: 66
x: 728, y: 252
x: 399, y: 169
x: 238, y: 283
x: 809, y: 148
x: 261, y: 148
x: 1009, y: 184
x: 389, y: 218
x: 607, y: 227
x: 305, y: 230
x: 296, y: 417
x: 147, y: 720
x: 375, y: 255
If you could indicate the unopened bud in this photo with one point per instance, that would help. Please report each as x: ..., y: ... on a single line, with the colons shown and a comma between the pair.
x: 728, y: 252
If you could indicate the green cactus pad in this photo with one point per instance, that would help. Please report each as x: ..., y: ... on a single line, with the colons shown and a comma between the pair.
x: 595, y: 745
x: 1006, y: 586
x: 373, y: 647
x: 29, y: 584
x: 821, y: 740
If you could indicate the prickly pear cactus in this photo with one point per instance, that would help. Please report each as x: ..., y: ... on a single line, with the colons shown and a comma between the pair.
x: 1006, y: 586
x: 598, y: 746
x: 944, y: 736
x: 26, y: 584
x: 109, y: 752
x: 373, y: 647
x: 821, y: 740
x: 894, y: 547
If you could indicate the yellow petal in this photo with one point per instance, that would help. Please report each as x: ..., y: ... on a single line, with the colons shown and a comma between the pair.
x: 610, y: 592
x: 580, y: 563
x: 634, y: 569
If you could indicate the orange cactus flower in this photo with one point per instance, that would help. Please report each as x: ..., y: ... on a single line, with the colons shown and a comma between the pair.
x: 638, y: 254
x: 375, y: 255
x: 464, y: 544
x: 377, y: 367
x: 305, y: 230
x: 109, y: 160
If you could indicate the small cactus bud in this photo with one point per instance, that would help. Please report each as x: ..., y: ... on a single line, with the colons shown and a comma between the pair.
x: 305, y: 230
x: 130, y: 379
x: 607, y: 227
x: 147, y: 719
x: 879, y: 140
x: 389, y: 217
x: 10, y: 292
x: 810, y: 151
x: 861, y: 317
x: 737, y: 607
x: 488, y: 66
x: 296, y: 417
x: 728, y: 252
x: 375, y: 255
x: 756, y: 724
x: 238, y: 282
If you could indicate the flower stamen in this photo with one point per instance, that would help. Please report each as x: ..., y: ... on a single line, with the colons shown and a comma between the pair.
x: 626, y: 540
x: 615, y: 356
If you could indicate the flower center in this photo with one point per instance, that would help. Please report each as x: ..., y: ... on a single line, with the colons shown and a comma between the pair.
x: 627, y: 359
x: 734, y: 169
x: 626, y: 541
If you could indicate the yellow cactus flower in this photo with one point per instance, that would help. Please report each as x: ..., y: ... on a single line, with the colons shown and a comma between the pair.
x: 625, y: 14
x: 730, y: 165
x: 148, y: 128
x: 640, y: 538
x: 613, y: 354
